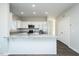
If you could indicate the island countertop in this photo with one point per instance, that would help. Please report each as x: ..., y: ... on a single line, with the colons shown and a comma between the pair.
x: 33, y: 36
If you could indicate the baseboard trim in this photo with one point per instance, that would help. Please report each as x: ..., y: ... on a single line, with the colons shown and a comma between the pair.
x: 73, y: 49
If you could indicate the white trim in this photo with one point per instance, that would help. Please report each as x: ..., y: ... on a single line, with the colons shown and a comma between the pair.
x: 73, y: 49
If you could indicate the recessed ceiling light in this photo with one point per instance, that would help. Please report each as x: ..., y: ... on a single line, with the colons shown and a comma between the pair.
x: 33, y: 5
x: 22, y: 12
x: 46, y: 12
x: 34, y: 12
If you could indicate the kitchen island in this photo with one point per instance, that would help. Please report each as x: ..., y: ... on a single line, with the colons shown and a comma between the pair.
x: 32, y: 44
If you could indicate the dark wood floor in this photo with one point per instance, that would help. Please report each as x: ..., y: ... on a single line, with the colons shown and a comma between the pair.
x: 62, y: 50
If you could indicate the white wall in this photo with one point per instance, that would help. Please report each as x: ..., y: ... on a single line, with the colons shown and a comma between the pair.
x: 4, y: 28
x: 14, y: 22
x: 73, y: 15
x: 34, y: 18
x: 4, y: 17
x: 51, y: 25
x: 17, y: 21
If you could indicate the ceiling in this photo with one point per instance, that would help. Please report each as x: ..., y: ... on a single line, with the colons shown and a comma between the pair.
x: 53, y: 9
